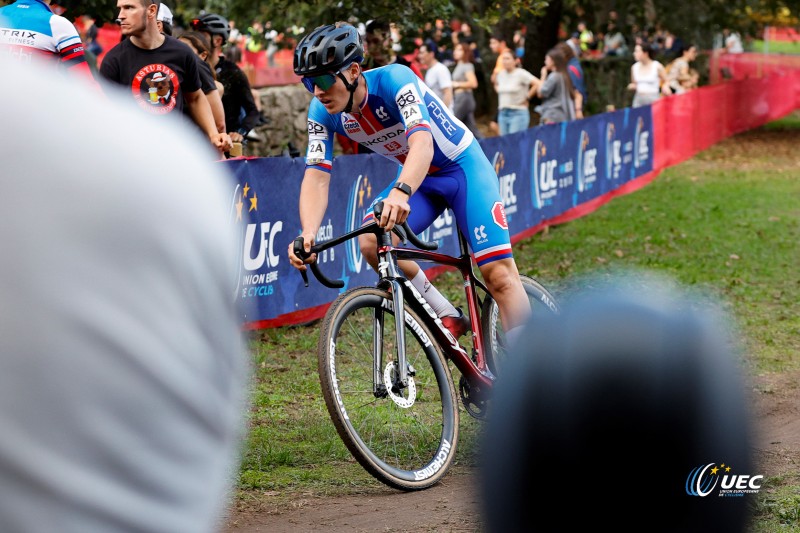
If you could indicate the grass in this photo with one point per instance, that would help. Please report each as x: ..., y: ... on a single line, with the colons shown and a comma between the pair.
x: 777, y: 47
x: 725, y: 223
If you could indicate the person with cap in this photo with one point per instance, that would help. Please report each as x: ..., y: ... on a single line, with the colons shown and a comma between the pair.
x: 207, y: 78
x: 441, y: 165
x: 211, y: 86
x: 146, y: 53
x: 241, y: 113
x: 29, y: 30
x: 164, y: 19
x: 574, y: 43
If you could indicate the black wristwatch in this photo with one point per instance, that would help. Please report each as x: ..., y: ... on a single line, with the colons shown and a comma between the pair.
x: 403, y: 187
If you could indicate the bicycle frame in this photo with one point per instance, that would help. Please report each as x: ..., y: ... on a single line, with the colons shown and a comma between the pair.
x: 391, y: 277
x: 475, y: 371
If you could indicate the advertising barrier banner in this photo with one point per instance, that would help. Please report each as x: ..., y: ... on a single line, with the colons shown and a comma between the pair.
x: 543, y: 172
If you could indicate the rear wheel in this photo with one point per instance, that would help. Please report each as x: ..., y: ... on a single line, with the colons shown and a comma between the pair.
x: 404, y: 436
x: 494, y: 338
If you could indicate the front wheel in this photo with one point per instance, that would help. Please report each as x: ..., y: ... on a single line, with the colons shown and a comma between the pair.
x: 405, y: 436
x: 494, y: 340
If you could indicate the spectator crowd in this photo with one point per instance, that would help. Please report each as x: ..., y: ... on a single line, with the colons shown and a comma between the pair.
x: 208, y: 58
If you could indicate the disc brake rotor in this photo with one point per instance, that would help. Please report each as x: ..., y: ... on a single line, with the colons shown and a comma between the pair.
x: 389, y: 378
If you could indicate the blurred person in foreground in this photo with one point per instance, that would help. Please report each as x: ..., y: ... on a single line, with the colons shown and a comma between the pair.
x: 123, y: 372
x: 621, y: 405
x: 29, y: 30
x: 161, y: 72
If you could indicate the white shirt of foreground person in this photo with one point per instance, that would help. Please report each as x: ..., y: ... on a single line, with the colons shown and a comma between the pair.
x: 123, y: 372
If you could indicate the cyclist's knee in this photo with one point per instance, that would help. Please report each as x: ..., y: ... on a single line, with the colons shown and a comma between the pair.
x: 501, y: 276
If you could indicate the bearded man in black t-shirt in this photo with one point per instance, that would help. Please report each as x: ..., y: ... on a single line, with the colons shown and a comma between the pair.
x: 161, y: 72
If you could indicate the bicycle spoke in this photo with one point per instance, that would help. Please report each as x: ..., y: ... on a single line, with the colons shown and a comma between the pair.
x: 398, y: 435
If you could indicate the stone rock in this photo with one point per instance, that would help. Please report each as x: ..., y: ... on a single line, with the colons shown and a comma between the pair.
x: 285, y: 108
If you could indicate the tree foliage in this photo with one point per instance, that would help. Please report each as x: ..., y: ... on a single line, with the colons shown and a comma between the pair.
x: 695, y: 21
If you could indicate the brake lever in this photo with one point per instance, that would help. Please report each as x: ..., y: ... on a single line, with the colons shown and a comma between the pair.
x: 300, y: 251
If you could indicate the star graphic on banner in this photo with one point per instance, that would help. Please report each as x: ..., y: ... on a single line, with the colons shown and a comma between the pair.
x: 239, y: 206
x: 253, y: 203
x: 714, y: 470
x: 245, y: 189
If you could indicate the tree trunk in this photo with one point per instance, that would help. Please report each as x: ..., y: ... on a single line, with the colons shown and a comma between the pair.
x: 542, y: 35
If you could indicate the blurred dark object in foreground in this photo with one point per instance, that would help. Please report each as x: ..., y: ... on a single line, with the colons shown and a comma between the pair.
x: 606, y: 410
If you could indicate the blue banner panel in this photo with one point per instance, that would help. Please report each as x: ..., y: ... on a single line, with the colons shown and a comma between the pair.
x: 543, y: 172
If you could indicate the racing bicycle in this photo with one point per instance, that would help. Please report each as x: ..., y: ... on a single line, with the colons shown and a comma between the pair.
x: 383, y: 360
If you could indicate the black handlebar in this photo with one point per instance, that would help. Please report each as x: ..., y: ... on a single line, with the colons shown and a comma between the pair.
x: 402, y: 231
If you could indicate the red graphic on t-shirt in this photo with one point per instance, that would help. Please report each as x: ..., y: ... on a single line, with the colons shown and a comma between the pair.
x: 155, y: 88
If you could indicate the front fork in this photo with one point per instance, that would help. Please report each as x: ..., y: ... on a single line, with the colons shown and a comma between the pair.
x: 390, y: 276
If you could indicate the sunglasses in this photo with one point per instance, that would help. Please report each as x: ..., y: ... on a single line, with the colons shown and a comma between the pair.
x: 323, y: 81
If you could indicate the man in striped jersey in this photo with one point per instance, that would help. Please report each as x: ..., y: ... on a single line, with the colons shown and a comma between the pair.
x: 29, y: 30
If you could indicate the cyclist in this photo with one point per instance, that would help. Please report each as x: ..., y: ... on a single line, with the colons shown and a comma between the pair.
x: 393, y: 112
x: 29, y: 29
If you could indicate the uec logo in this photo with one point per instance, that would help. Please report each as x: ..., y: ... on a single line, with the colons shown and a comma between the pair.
x: 702, y: 481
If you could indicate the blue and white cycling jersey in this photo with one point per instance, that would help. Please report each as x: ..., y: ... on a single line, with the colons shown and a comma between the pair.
x: 398, y: 105
x: 29, y: 30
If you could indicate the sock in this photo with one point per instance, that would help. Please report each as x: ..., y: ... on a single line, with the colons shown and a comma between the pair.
x: 439, y: 303
x: 512, y: 335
